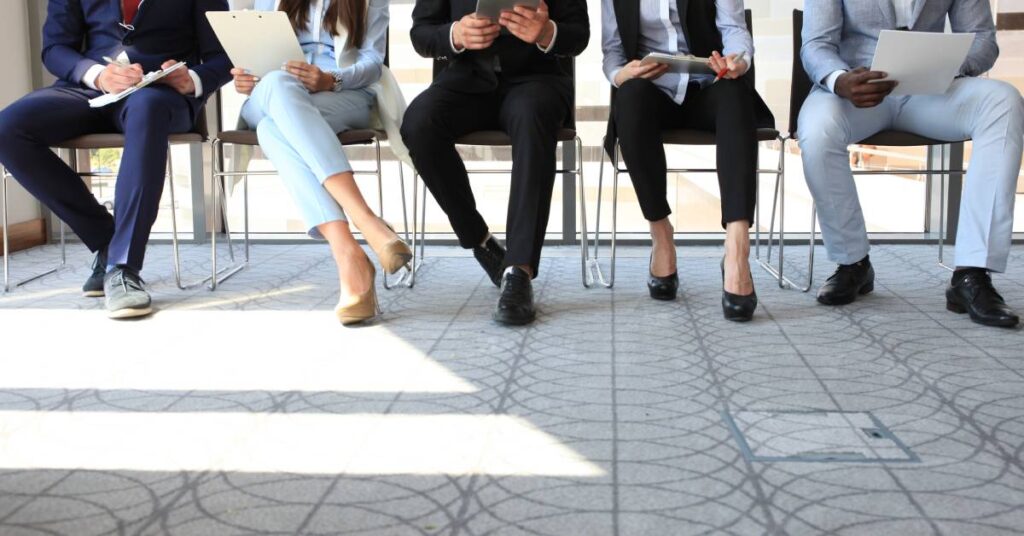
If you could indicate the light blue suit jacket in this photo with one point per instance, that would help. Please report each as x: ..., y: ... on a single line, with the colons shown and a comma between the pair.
x: 843, y: 34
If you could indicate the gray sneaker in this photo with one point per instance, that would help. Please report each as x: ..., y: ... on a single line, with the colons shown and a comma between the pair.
x: 93, y: 287
x: 126, y: 297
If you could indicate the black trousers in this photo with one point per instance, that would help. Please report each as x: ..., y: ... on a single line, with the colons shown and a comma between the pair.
x: 643, y: 111
x: 531, y: 112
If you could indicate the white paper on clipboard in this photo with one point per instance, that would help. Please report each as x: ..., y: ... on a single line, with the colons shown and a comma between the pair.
x: 111, y: 98
x: 260, y: 41
x: 923, y: 63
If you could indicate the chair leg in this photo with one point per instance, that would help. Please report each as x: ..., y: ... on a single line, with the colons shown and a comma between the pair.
x: 779, y: 201
x: 942, y: 213
x: 4, y: 176
x: 595, y: 261
x: 584, y: 232
x: 401, y: 281
x: 219, y: 276
x: 174, y: 230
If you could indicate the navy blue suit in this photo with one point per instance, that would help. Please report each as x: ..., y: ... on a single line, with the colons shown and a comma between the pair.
x: 76, y: 36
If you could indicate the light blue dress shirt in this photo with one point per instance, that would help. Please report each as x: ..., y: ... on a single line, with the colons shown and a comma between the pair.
x: 661, y: 31
x: 318, y: 43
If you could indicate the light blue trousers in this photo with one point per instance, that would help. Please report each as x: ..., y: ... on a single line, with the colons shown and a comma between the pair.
x: 988, y: 111
x: 298, y: 132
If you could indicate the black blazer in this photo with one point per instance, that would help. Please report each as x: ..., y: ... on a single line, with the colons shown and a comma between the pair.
x: 472, y: 71
x: 702, y: 38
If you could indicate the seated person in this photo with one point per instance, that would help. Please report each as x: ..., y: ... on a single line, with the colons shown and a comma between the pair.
x: 847, y: 105
x: 297, y: 113
x: 505, y: 75
x: 649, y: 99
x: 141, y: 36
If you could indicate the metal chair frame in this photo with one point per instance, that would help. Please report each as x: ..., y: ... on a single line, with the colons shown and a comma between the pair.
x: 219, y: 176
x: 593, y: 273
x: 800, y: 83
x: 6, y: 240
x: 420, y: 227
x: 72, y: 153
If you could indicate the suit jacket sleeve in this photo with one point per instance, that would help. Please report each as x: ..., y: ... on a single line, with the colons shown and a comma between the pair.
x: 823, y: 29
x: 976, y: 16
x: 63, y: 35
x: 215, y: 69
x: 573, y: 26
x: 431, y: 24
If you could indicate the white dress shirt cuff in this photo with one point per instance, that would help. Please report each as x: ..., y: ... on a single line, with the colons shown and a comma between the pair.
x: 198, y: 83
x: 612, y: 76
x: 451, y: 40
x: 830, y: 81
x: 554, y: 35
x: 92, y: 75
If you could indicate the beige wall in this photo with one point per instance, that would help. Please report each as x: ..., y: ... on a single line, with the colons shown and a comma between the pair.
x: 16, y: 63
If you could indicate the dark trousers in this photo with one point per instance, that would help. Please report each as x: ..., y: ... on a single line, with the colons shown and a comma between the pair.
x: 643, y: 111
x: 44, y: 118
x: 531, y: 112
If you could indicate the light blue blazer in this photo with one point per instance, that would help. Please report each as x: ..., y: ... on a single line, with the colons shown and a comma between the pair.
x: 843, y: 34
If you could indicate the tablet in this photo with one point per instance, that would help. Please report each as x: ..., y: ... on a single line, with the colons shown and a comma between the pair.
x: 260, y: 41
x: 491, y: 9
x: 680, y: 64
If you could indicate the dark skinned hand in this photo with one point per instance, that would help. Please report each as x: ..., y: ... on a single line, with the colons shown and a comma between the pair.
x: 857, y: 87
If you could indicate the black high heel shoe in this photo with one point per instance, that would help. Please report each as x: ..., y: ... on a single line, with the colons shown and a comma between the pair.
x: 735, y: 307
x: 662, y: 288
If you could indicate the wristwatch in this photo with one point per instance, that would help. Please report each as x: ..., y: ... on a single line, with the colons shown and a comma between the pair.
x: 337, y: 80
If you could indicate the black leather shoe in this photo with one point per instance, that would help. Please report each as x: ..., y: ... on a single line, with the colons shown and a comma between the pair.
x: 663, y: 288
x: 515, y: 306
x: 93, y: 287
x: 974, y: 294
x: 848, y: 282
x: 735, y: 307
x: 491, y: 257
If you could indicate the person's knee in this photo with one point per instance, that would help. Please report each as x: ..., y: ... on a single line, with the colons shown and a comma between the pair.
x: 537, y: 114
x: 277, y: 80
x: 821, y: 128
x: 422, y: 126
x: 152, y: 104
x: 1003, y: 98
x: 634, y: 106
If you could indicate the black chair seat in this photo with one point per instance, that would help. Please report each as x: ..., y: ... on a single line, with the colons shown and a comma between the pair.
x: 350, y: 137
x: 114, y: 141
x: 897, y: 138
x: 498, y: 138
x: 702, y: 137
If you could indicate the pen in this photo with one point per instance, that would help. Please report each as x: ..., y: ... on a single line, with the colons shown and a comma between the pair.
x: 723, y: 72
x: 112, y: 61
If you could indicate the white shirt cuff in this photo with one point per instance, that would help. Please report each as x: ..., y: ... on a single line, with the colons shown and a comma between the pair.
x: 830, y: 81
x: 554, y: 35
x: 615, y: 74
x: 198, y: 83
x: 91, y: 75
x: 451, y: 40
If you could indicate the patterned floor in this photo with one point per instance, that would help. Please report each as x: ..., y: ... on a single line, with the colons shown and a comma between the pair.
x: 249, y: 411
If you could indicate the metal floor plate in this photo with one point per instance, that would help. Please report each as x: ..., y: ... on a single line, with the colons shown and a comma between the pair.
x: 816, y: 436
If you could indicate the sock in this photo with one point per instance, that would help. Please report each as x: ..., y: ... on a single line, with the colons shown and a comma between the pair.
x: 865, y: 260
x: 961, y: 272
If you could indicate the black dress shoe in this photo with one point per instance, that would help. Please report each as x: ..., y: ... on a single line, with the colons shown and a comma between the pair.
x: 848, y: 282
x: 735, y: 307
x: 515, y: 306
x: 972, y: 293
x: 491, y: 257
x: 93, y: 287
x: 663, y: 288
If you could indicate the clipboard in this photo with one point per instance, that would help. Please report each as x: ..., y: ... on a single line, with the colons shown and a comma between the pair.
x: 491, y: 9
x: 923, y: 63
x: 680, y: 64
x: 111, y: 98
x: 260, y: 41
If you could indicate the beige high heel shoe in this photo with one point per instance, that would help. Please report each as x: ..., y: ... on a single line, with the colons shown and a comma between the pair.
x: 394, y: 254
x: 364, y: 307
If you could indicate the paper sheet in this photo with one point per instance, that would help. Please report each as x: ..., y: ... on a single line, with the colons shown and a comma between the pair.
x: 111, y: 98
x: 923, y: 63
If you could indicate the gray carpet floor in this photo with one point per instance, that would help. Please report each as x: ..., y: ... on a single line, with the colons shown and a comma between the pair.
x: 250, y: 411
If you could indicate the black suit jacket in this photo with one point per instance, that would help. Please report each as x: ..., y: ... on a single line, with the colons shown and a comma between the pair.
x: 702, y: 38
x: 472, y: 70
